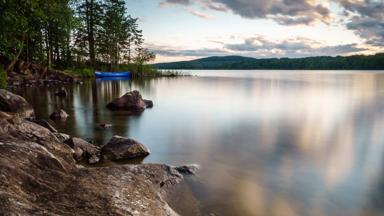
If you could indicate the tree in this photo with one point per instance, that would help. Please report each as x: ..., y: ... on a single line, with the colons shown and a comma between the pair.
x: 143, y: 55
x: 89, y: 15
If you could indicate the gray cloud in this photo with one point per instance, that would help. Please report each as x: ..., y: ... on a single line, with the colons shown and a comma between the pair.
x: 261, y: 47
x: 287, y: 12
x: 366, y: 19
x: 296, y: 47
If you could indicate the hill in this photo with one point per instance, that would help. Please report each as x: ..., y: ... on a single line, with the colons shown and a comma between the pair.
x: 355, y: 62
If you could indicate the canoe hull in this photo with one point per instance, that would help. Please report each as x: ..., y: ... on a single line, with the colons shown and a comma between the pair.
x: 112, y: 74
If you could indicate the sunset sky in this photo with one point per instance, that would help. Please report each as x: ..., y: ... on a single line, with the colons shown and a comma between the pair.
x: 190, y: 29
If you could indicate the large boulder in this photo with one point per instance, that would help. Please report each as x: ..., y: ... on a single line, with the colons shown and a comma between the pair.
x: 38, y: 176
x: 120, y: 148
x: 84, y: 150
x: 132, y: 102
x: 59, y: 115
x: 13, y: 103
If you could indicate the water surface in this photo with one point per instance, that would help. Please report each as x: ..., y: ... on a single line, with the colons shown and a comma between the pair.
x: 269, y: 142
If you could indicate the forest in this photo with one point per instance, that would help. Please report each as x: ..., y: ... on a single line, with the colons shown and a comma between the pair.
x: 71, y: 34
x: 354, y: 62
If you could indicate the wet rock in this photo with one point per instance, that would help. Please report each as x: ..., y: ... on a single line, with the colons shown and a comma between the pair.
x: 131, y: 101
x: 105, y: 126
x: 190, y: 169
x: 84, y: 150
x: 45, y: 124
x: 149, y: 103
x: 59, y: 115
x: 119, y: 148
x: 13, y: 103
x: 61, y: 93
x: 42, y: 178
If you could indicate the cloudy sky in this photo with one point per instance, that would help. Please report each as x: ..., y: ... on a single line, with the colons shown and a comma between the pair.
x: 190, y: 29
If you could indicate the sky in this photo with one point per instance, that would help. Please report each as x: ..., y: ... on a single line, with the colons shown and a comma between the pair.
x: 189, y: 29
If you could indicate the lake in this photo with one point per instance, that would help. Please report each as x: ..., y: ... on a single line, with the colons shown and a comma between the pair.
x: 268, y: 142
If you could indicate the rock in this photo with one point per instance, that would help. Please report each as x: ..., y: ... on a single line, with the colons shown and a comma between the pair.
x: 131, y: 101
x: 62, y: 93
x: 59, y: 115
x: 84, y: 150
x: 40, y: 177
x: 149, y: 103
x: 190, y: 169
x: 62, y: 137
x: 13, y: 103
x: 103, y: 125
x: 45, y: 124
x: 119, y: 148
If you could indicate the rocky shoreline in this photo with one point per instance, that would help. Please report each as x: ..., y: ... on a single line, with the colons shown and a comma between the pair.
x: 28, y: 74
x: 40, y: 172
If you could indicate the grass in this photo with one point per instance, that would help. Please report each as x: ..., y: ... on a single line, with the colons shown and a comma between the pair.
x: 80, y: 72
x: 3, y: 78
x: 136, y: 70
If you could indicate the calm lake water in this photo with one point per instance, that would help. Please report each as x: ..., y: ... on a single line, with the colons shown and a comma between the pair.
x: 268, y: 142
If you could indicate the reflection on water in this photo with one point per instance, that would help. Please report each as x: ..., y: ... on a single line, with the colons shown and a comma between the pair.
x: 269, y: 143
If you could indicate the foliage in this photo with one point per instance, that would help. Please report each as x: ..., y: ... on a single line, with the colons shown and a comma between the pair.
x: 69, y: 33
x: 356, y: 62
x: 3, y: 78
x: 80, y: 72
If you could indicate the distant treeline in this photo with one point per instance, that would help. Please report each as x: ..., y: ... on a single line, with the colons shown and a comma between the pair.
x: 355, y: 62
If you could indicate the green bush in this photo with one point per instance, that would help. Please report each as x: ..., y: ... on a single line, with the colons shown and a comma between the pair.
x: 3, y: 78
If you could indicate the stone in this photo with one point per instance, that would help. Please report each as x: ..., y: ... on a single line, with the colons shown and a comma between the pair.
x: 40, y: 177
x: 120, y: 148
x: 16, y: 104
x: 84, y: 150
x: 61, y: 93
x: 104, y: 125
x: 59, y: 115
x: 131, y: 101
x: 45, y: 124
x: 190, y: 169
x: 62, y: 137
x: 149, y: 103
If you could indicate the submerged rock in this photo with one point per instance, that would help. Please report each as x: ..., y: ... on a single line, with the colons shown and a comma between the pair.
x: 13, y: 103
x: 105, y: 126
x: 59, y: 115
x: 190, y: 169
x: 62, y: 93
x: 119, y: 148
x: 84, y: 150
x: 131, y: 101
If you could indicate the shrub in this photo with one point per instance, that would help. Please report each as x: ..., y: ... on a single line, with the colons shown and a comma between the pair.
x: 80, y: 72
x: 3, y: 78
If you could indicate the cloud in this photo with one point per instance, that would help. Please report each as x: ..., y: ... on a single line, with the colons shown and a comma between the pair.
x: 198, y: 13
x: 366, y: 19
x: 287, y: 12
x: 261, y: 47
x: 294, y: 47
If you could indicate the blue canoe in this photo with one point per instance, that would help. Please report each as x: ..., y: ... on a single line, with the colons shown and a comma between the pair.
x: 112, y: 74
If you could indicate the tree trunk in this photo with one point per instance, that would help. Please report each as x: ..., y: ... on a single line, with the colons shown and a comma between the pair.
x: 91, y: 36
x: 13, y: 62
